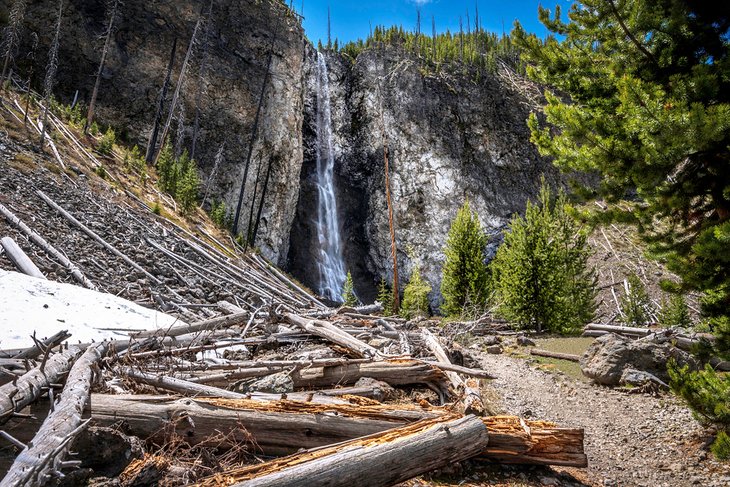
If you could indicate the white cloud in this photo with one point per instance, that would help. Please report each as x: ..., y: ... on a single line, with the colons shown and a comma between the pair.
x: 420, y: 2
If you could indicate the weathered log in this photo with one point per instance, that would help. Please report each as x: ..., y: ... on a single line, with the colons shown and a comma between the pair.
x: 15, y: 396
x: 328, y: 331
x: 42, y: 459
x: 621, y: 330
x: 68, y: 216
x: 285, y: 426
x: 204, y: 325
x: 48, y: 248
x: 407, y: 451
x: 547, y: 353
x: 470, y: 398
x: 192, y: 389
x: 20, y: 259
x: 50, y: 342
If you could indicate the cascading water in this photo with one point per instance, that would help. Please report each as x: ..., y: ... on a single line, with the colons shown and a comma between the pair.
x: 331, y: 264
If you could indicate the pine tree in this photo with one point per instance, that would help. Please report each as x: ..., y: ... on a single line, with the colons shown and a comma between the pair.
x: 167, y: 170
x: 385, y: 297
x: 635, y: 302
x: 188, y: 186
x: 348, y: 292
x: 540, y: 274
x: 464, y: 275
x: 415, y: 296
x: 674, y: 312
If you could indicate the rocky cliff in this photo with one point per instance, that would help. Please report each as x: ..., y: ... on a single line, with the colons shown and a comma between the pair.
x: 451, y: 134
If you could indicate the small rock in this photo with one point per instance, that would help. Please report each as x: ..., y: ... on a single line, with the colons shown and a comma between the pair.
x: 491, y: 340
x: 380, y: 342
x: 524, y: 341
x: 548, y: 481
x: 494, y: 349
x: 279, y: 383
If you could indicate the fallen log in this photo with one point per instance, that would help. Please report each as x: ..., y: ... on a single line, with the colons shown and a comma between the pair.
x: 42, y: 459
x: 20, y: 259
x: 48, y: 248
x: 547, y: 353
x: 16, y: 395
x: 204, y: 325
x: 327, y: 330
x: 283, y: 427
x: 50, y: 342
x: 470, y: 399
x: 407, y: 451
x: 621, y: 330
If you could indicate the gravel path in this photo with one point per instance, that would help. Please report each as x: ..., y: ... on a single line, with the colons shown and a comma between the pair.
x: 631, y: 439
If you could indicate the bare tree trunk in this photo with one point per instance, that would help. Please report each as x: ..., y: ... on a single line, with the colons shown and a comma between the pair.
x: 104, y: 52
x: 11, y: 37
x: 51, y: 68
x: 201, y: 79
x: 31, y: 59
x: 391, y: 225
x: 20, y: 259
x: 151, y: 146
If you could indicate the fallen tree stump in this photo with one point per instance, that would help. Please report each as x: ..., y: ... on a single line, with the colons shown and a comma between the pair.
x: 407, y: 452
x: 42, y: 459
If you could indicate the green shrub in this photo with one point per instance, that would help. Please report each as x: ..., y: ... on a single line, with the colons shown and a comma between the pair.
x: 219, y: 214
x: 415, y: 296
x: 635, y: 302
x: 721, y: 446
x: 157, y: 209
x: 106, y: 144
x: 674, y: 312
x: 348, y: 292
x: 464, y: 275
x: 189, y: 183
x: 133, y: 160
x: 540, y: 274
x: 100, y: 171
x: 94, y: 129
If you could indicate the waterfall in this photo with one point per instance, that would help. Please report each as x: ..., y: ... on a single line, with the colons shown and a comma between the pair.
x: 331, y: 264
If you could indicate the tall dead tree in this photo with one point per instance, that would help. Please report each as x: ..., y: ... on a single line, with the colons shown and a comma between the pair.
x: 178, y: 87
x: 31, y: 62
x: 418, y: 30
x: 261, y: 203
x: 461, y: 39
x: 160, y: 106
x: 11, y: 35
x: 216, y: 163
x: 254, y: 131
x: 51, y: 68
x: 249, y: 233
x: 102, y: 62
x: 202, y: 71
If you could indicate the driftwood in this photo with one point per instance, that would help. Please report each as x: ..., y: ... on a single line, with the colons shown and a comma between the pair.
x: 471, y: 398
x: 43, y: 458
x: 547, y: 353
x: 50, y: 342
x: 184, y: 329
x: 19, y: 258
x: 621, y: 330
x: 18, y: 394
x: 328, y: 331
x: 283, y: 427
x: 48, y: 248
x: 96, y: 237
x: 407, y: 451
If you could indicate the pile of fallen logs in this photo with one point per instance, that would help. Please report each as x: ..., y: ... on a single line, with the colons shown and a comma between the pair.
x: 329, y: 396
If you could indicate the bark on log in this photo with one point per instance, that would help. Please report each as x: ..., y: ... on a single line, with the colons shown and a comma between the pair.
x: 407, y: 451
x: 184, y: 329
x: 621, y: 330
x: 42, y: 459
x: 468, y: 394
x: 547, y: 353
x: 15, y: 396
x: 68, y: 216
x: 48, y: 248
x: 285, y: 426
x: 328, y: 331
x: 50, y: 342
x: 20, y: 259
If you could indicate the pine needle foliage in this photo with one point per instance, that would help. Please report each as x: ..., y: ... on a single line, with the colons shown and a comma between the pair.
x: 464, y: 276
x: 415, y: 296
x: 541, y: 277
x: 348, y: 292
x: 674, y: 312
x: 385, y: 297
x: 635, y: 302
x: 179, y: 178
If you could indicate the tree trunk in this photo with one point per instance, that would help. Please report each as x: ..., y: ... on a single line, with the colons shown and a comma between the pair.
x: 19, y: 258
x: 407, y: 451
x: 152, y: 145
x: 332, y: 333
x: 50, y: 342
x: 43, y: 458
x: 18, y: 394
x: 104, y: 52
x: 204, y: 325
x: 547, y: 353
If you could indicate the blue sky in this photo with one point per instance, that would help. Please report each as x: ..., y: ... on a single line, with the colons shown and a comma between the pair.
x: 351, y: 19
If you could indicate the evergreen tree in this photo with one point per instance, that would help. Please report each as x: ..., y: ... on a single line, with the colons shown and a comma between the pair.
x: 167, y: 170
x: 348, y: 292
x: 642, y: 97
x: 188, y: 186
x: 674, y: 312
x: 541, y: 276
x: 635, y: 302
x: 464, y: 275
x: 385, y: 297
x: 415, y: 296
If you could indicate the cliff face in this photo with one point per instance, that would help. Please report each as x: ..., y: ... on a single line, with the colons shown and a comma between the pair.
x: 450, y: 138
x: 242, y: 33
x: 451, y: 135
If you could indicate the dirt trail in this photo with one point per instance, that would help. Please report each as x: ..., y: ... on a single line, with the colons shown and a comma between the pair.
x: 631, y: 439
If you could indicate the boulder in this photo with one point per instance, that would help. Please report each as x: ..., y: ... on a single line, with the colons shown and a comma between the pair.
x: 609, y: 356
x: 279, y: 383
x: 494, y: 349
x: 106, y: 450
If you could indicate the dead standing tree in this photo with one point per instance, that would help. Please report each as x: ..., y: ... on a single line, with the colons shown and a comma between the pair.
x: 160, y: 106
x: 202, y: 71
x: 104, y: 52
x: 51, y: 68
x: 11, y: 36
